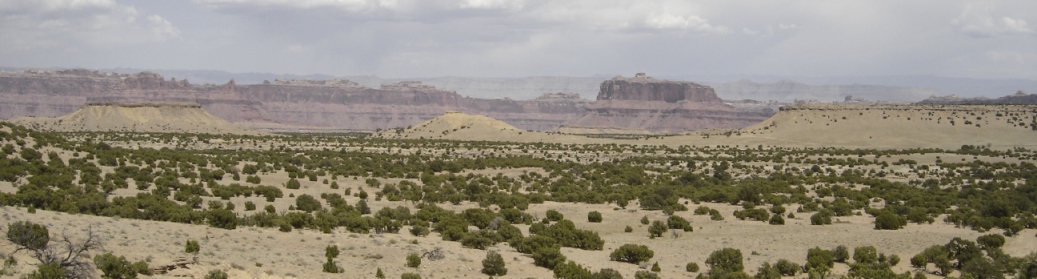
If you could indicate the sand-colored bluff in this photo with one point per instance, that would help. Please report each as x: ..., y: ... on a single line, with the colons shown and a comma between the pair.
x: 137, y: 117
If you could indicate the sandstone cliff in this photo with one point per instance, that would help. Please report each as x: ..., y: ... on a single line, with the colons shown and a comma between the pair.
x: 315, y: 104
x: 643, y: 103
x: 644, y: 88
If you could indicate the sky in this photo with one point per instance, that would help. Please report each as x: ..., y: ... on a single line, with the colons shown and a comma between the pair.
x: 518, y: 38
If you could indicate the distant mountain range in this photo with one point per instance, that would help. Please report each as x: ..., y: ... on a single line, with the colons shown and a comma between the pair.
x: 762, y: 88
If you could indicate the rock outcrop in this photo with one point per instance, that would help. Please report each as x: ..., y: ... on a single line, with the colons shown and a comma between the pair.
x: 643, y: 103
x: 644, y: 88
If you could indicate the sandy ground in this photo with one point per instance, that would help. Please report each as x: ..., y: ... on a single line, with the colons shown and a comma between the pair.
x: 812, y: 126
x: 267, y: 253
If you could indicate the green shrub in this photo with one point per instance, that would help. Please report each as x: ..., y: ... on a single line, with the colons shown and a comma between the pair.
x: 656, y: 268
x: 657, y: 229
x: 786, y: 267
x: 413, y: 260
x: 692, y: 267
x: 292, y: 184
x: 594, y: 217
x: 533, y: 243
x: 222, y: 218
x: 607, y: 273
x: 554, y: 215
x: 821, y: 218
x: 118, y: 267
x: 410, y: 276
x: 841, y: 254
x: 628, y: 229
x: 548, y: 257
x: 889, y: 221
x: 776, y: 219
x: 479, y: 239
x: 331, y: 267
x: 642, y: 274
x: 27, y: 234
x: 331, y: 251
x: 216, y: 274
x: 571, y: 270
x: 307, y: 203
x: 644, y: 220
x: 419, y: 230
x: 767, y: 271
x: 48, y: 271
x: 493, y: 264
x: 991, y: 241
x: 632, y: 253
x: 715, y: 215
x: 865, y: 255
x: 893, y: 260
x: 379, y: 274
x: 250, y: 206
x: 819, y: 259
x: 725, y: 260
x: 191, y: 247
x: 677, y: 222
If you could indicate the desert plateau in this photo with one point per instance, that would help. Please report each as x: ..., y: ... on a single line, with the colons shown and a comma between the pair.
x: 129, y: 188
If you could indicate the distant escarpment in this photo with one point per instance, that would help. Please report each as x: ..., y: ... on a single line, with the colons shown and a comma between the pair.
x: 643, y: 103
x: 1019, y: 98
x: 331, y: 105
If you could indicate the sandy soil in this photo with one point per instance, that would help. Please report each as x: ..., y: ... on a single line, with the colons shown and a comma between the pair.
x: 267, y: 253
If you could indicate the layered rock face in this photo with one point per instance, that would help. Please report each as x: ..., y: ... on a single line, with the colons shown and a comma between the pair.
x: 643, y: 103
x: 331, y: 105
x: 644, y: 88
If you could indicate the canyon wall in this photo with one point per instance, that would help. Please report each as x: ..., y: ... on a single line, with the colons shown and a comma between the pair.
x: 330, y: 105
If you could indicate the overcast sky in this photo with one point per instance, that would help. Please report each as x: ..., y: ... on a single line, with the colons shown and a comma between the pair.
x: 513, y: 38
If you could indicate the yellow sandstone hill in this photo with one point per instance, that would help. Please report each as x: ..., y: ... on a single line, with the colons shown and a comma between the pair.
x: 457, y: 126
x: 137, y: 117
x: 897, y: 126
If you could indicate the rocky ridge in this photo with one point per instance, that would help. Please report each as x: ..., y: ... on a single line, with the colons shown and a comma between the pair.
x: 1019, y: 98
x: 643, y: 103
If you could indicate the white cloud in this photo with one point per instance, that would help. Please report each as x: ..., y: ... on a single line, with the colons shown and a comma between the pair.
x: 978, y: 21
x: 750, y: 32
x: 74, y: 24
x: 348, y: 5
x: 1015, y: 25
x: 695, y: 23
x: 787, y: 26
x: 492, y: 4
x: 162, y: 29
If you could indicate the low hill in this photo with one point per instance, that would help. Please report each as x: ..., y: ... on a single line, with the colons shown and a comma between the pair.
x: 460, y: 126
x: 897, y: 126
x: 137, y: 117
x: 457, y: 125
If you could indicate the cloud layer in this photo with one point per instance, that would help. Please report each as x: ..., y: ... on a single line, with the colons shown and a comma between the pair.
x: 415, y: 38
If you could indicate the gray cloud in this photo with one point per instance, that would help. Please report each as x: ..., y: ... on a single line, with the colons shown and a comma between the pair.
x: 422, y: 38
